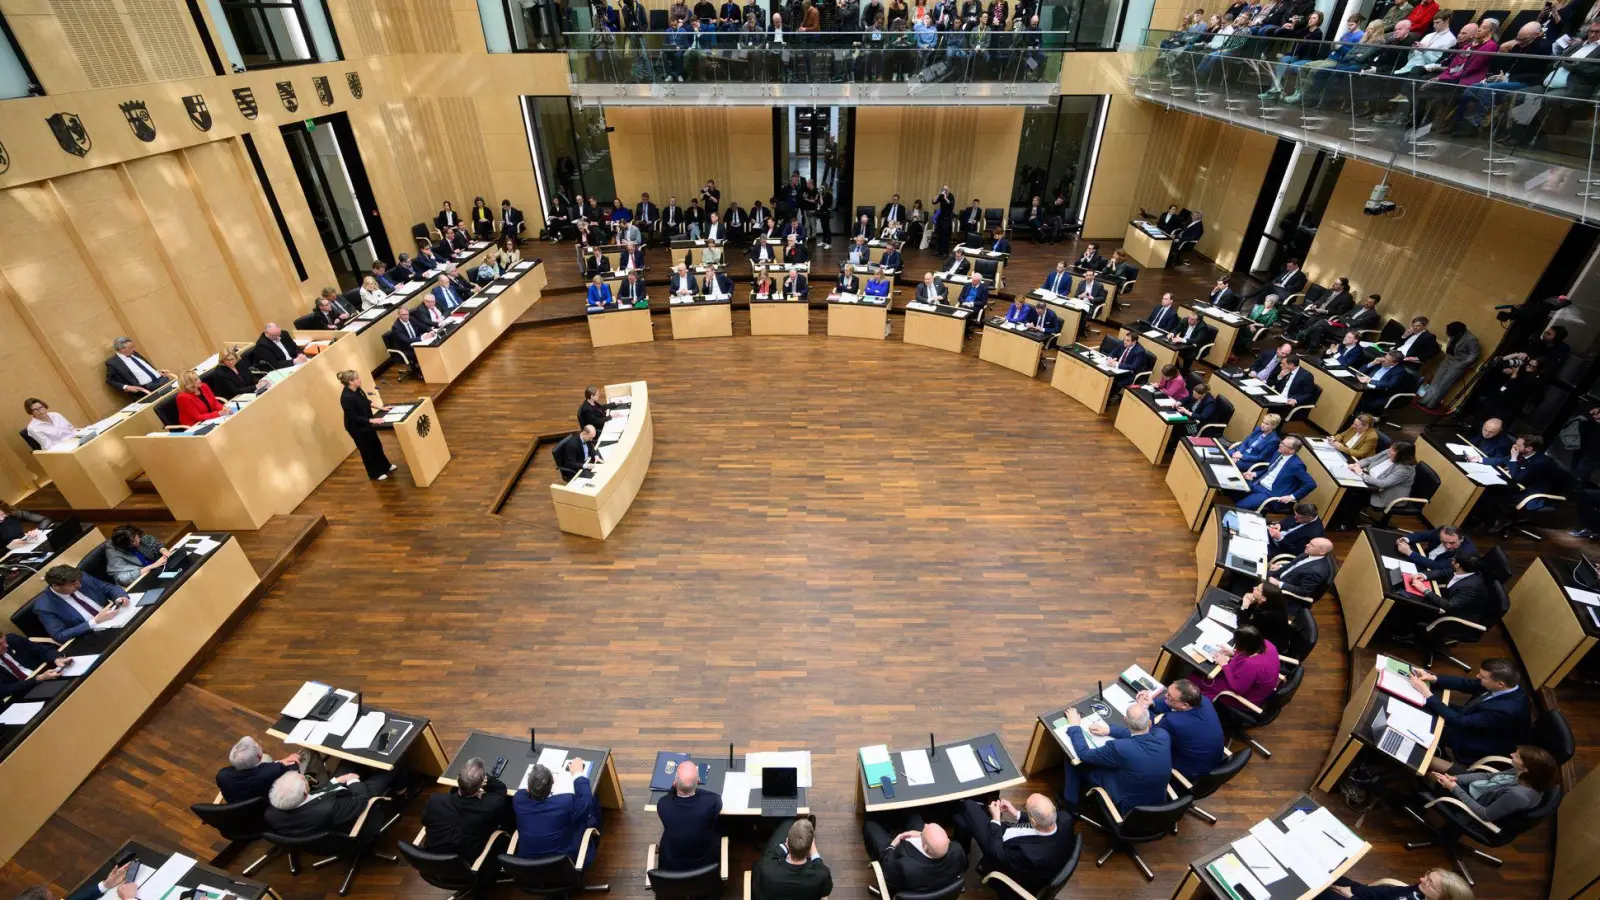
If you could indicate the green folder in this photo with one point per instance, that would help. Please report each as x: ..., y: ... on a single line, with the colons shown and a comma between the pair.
x: 1233, y: 892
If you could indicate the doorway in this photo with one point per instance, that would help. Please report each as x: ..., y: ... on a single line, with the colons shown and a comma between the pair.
x: 815, y: 142
x: 328, y: 164
x: 1289, y: 208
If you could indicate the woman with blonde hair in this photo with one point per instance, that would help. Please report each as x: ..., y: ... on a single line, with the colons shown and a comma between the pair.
x: 196, y: 402
x: 1435, y: 884
x: 229, y: 379
x: 1360, y: 440
x: 370, y: 292
x: 359, y: 417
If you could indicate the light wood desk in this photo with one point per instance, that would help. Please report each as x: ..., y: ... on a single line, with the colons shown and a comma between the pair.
x: 940, y: 326
x: 1143, y: 421
x: 1078, y: 377
x: 1163, y: 351
x: 1339, y: 398
x: 1356, y: 732
x: 1212, y: 556
x: 1366, y: 595
x: 1458, y: 494
x: 862, y: 319
x: 45, y: 760
x: 422, y: 442
x: 1192, y: 482
x: 1019, y: 351
x: 1149, y: 251
x: 1551, y: 631
x: 593, y: 506
x: 94, y: 474
x: 702, y: 319
x: 1175, y: 659
x: 520, y: 757
x: 261, y: 461
x: 1228, y: 326
x: 620, y: 326
x: 1199, y: 882
x: 791, y: 315
x: 367, y: 334
x: 13, y: 599
x: 444, y: 361
x: 1577, y: 863
x: 1328, y: 470
x: 945, y: 786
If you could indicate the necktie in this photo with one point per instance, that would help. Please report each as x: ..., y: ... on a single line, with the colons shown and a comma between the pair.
x: 1124, y: 357
x: 84, y: 603
x: 1272, y: 473
x: 145, y: 366
x: 14, y: 668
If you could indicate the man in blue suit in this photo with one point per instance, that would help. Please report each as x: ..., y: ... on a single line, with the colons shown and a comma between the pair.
x: 552, y: 824
x: 1295, y: 382
x: 73, y: 603
x: 1046, y: 320
x: 1349, y: 353
x: 976, y: 294
x: 1290, y: 534
x: 892, y: 260
x: 1491, y: 723
x: 1134, y: 770
x: 1384, y: 378
x: 1164, y: 318
x: 445, y: 297
x: 1492, y: 446
x: 1059, y: 282
x: 1190, y: 720
x: 1431, y: 551
x: 1132, y: 359
x: 1284, y: 483
x: 380, y: 274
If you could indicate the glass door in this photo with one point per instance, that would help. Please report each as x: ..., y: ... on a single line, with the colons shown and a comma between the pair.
x: 1289, y: 209
x: 328, y: 166
x: 812, y: 143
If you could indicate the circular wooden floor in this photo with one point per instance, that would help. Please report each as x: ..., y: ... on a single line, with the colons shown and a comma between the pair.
x: 840, y: 542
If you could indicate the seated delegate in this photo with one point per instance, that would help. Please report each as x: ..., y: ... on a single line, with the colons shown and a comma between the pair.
x: 1494, y: 715
x: 551, y: 824
x: 1190, y: 720
x: 19, y: 658
x: 227, y: 379
x: 1290, y: 534
x: 293, y: 812
x: 196, y: 402
x: 1029, y: 851
x: 1432, y: 551
x: 131, y: 553
x: 19, y: 525
x: 1249, y: 669
x: 249, y: 774
x: 1133, y: 770
x: 599, y: 294
x: 1360, y: 439
x: 47, y: 428
x: 918, y: 859
x: 1270, y: 607
x: 791, y: 868
x: 1436, y: 884
x: 688, y: 816
x: 131, y: 373
x: 1493, y: 796
x: 460, y: 820
x: 1260, y: 445
x: 1388, y: 474
x: 276, y: 349
x: 74, y: 602
x: 1284, y: 483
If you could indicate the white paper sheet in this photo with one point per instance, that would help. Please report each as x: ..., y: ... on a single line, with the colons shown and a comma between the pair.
x: 122, y: 618
x: 552, y: 758
x: 1408, y: 720
x: 1227, y: 475
x: 800, y: 760
x: 362, y: 735
x: 1288, y: 853
x: 165, y: 877
x: 736, y: 793
x: 1117, y: 698
x: 1461, y: 449
x: 20, y: 713
x: 1482, y: 474
x: 1235, y: 872
x: 78, y: 665
x: 965, y: 762
x: 1223, y: 615
x: 304, y: 732
x: 1261, y: 863
x: 877, y: 753
x: 917, y: 767
x: 1587, y: 598
x: 494, y: 289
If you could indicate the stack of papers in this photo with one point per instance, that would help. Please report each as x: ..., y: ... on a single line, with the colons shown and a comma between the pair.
x: 920, y: 306
x: 1117, y: 698
x: 1227, y: 475
x: 163, y: 885
x: 1090, y: 740
x: 122, y: 618
x: 20, y: 713
x: 1223, y: 615
x: 875, y: 764
x: 522, y: 266
x: 78, y: 665
x: 1261, y: 863
x: 1404, y: 566
x: 365, y: 731
x: 1461, y: 449
x: 1409, y: 721
x: 918, y: 769
x: 494, y: 289
x: 736, y: 793
x: 1587, y: 598
x: 200, y: 544
x: 1392, y: 680
x: 1482, y: 474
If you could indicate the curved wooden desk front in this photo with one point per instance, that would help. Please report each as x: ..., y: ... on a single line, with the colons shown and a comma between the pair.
x: 592, y: 507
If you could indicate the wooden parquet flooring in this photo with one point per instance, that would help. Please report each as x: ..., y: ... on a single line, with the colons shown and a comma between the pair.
x: 841, y: 542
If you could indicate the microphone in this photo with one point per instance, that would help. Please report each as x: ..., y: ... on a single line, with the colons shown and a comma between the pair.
x: 730, y: 756
x: 533, y: 741
x: 933, y: 749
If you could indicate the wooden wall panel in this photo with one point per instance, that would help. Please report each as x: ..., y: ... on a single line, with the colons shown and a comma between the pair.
x: 668, y: 151
x: 1453, y: 255
x: 916, y: 150
x: 228, y: 193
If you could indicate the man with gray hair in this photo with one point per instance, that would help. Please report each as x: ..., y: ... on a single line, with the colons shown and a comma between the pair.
x: 461, y: 820
x: 1133, y: 770
x: 131, y: 373
x: 247, y: 776
x: 551, y: 817
x: 295, y: 813
x: 791, y: 868
x: 1028, y: 851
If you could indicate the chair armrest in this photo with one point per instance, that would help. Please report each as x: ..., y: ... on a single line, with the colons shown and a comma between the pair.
x: 1493, y: 829
x: 1242, y: 701
x: 422, y: 835
x: 1005, y: 879
x: 1488, y: 764
x: 650, y: 860
x: 217, y: 800
x: 361, y: 820
x: 488, y: 847
x: 877, y: 877
x: 1288, y: 659
x: 1387, y: 507
x: 589, y: 834
x: 1390, y: 882
x: 1297, y: 596
x: 1111, y: 807
x: 1459, y: 621
x: 1171, y: 794
x: 1255, y: 466
x: 511, y: 848
x: 1531, y: 497
x: 1178, y: 777
x: 45, y: 640
x: 749, y: 876
x: 724, y: 858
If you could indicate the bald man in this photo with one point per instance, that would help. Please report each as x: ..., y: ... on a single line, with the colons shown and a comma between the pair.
x: 1028, y: 852
x: 689, y: 838
x: 918, y: 860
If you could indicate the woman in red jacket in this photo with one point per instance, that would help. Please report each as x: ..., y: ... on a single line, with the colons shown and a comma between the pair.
x: 196, y: 403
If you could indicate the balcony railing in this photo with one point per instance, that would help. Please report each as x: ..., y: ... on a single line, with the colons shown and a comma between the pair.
x: 1529, y: 141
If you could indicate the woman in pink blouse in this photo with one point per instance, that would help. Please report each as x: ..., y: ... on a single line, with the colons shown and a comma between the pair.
x: 1249, y: 670
x: 1172, y: 384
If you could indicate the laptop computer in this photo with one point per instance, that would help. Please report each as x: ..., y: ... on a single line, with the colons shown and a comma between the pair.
x: 65, y: 535
x: 780, y: 791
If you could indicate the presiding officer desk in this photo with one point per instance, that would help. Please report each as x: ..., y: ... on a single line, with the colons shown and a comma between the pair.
x: 1147, y: 245
x: 1552, y: 620
x: 1148, y: 418
x: 1016, y: 347
x: 521, y: 757
x: 1360, y: 729
x: 1201, y: 470
x: 264, y: 459
x: 938, y: 325
x: 857, y: 315
x: 30, y: 587
x: 751, y: 765
x: 592, y: 505
x: 946, y: 785
x: 78, y: 721
x: 626, y: 325
x: 480, y: 322
x: 1223, y: 874
x: 701, y: 317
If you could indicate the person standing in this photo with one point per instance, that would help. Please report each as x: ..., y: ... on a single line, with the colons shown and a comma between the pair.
x: 359, y: 417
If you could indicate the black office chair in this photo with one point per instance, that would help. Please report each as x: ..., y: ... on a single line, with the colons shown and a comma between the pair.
x: 167, y: 412
x: 1303, y: 635
x: 1447, y: 631
x: 94, y: 563
x: 28, y: 439
x: 865, y: 210
x: 391, y: 345
x: 989, y: 269
x: 994, y: 218
x: 704, y: 883
x: 1242, y: 715
x: 1210, y: 782
x: 1127, y: 287
x: 554, y: 877
x: 1495, y: 564
x: 880, y: 888
x: 307, y: 322
x: 658, y: 20
x: 249, y: 363
x: 351, y: 845
x: 1459, y: 822
x: 1058, y: 882
x: 238, y: 823
x: 1383, y: 443
x: 1302, y: 411
x: 1402, y: 398
x: 449, y: 871
x: 1219, y: 419
x: 27, y: 621
x: 1389, y: 335
x: 1141, y: 825
x: 1523, y: 515
x: 422, y: 232
x: 1423, y: 486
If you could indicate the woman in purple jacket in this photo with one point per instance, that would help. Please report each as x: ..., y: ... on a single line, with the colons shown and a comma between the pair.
x: 1249, y: 670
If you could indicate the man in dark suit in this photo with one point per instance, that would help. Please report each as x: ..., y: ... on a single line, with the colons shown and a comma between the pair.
x: 1223, y: 297
x: 1417, y: 345
x: 1492, y: 446
x: 1289, y: 281
x: 761, y: 252
x: 290, y: 812
x: 1290, y: 534
x: 460, y: 820
x: 1283, y: 483
x: 632, y: 290
x: 326, y: 318
x: 427, y: 259
x: 1433, y: 550
x: 688, y: 822
x: 671, y: 219
x: 1190, y: 232
x: 552, y: 824
x: 131, y: 373
x: 380, y: 274
x: 19, y: 657
x: 1163, y: 318
x: 1193, y: 334
x: 249, y: 774
x: 1171, y: 220
x: 1090, y: 290
x: 1294, y: 382
x: 972, y: 218
x: 74, y: 602
x: 975, y: 295
x: 790, y: 868
x: 1335, y: 328
x: 1269, y: 607
x: 931, y: 291
x: 1133, y: 770
x: 403, y: 270
x: 405, y: 332
x: 1190, y: 721
x: 959, y: 265
x: 717, y: 286
x: 632, y: 258
x: 1383, y: 379
x: 1059, y: 282
x: 795, y: 252
x: 1335, y: 301
x: 918, y: 859
x: 646, y: 215
x: 428, y: 316
x: 1492, y: 721
x: 575, y: 451
x: 1132, y: 359
x: 1091, y: 260
x: 276, y: 349
x: 795, y: 284
x: 593, y: 411
x: 1029, y: 853
x: 512, y: 222
x: 892, y: 260
x: 893, y: 211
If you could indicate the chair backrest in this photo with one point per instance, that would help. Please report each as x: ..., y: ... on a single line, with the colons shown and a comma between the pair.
x: 697, y: 884
x: 988, y: 268
x: 1391, y: 331
x: 1313, y: 294
x: 1513, y: 826
x: 1281, y: 697
x: 1551, y: 732
x: 1426, y: 482
x: 242, y: 821
x: 1302, y: 635
x: 1383, y: 444
x: 352, y: 297
x: 1500, y: 602
x: 27, y: 621
x: 1152, y: 823
x: 864, y: 210
x: 658, y: 20
x: 1207, y: 784
x: 994, y: 217
x: 323, y: 843
x: 1110, y: 345
x: 1496, y: 564
x: 1224, y: 411
x: 1059, y: 881
x: 551, y: 876
x: 167, y: 410
x: 446, y: 871
x: 94, y: 562
x: 305, y: 322
x: 28, y: 439
x: 420, y: 231
x: 948, y: 892
x: 249, y: 363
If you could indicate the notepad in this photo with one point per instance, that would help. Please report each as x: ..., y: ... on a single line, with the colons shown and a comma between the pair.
x: 1410, y: 721
x: 78, y: 665
x: 965, y: 763
x: 875, y: 764
x: 304, y: 700
x: 364, y: 731
x: 919, y: 770
x: 1460, y: 449
x: 736, y: 793
x: 121, y: 619
x: 1261, y: 863
x: 165, y: 878
x: 1117, y: 698
x: 19, y: 713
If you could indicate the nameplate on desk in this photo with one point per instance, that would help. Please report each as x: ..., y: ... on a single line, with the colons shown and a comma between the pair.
x: 522, y: 266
